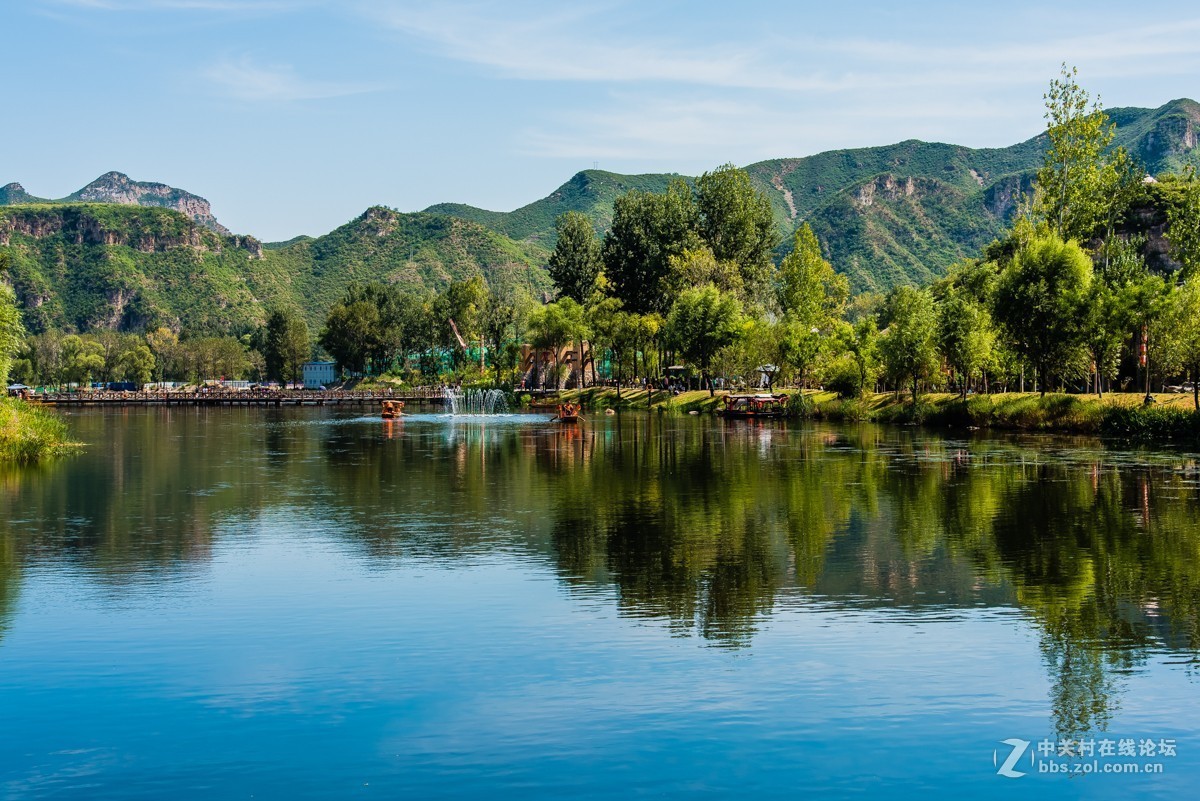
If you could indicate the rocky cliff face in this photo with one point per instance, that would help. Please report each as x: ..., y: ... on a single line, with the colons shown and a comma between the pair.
x: 144, y: 232
x: 885, y: 187
x: 116, y: 187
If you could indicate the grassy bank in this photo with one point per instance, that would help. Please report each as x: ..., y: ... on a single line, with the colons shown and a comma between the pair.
x: 1170, y: 419
x: 29, y: 434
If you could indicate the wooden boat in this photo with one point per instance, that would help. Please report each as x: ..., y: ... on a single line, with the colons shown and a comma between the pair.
x: 755, y: 406
x: 568, y: 413
x: 392, y: 409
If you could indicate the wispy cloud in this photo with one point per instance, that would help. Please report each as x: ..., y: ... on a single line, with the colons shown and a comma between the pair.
x: 576, y: 45
x: 663, y: 94
x: 242, y: 79
x: 706, y: 130
x: 241, y: 6
x: 581, y: 44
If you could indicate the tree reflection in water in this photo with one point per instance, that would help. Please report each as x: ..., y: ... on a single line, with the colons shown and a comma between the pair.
x: 708, y: 526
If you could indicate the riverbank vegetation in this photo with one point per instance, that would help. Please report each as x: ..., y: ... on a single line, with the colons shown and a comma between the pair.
x: 1119, y: 415
x: 31, y: 434
x: 27, y: 434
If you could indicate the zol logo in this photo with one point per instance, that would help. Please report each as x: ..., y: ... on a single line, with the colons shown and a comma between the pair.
x: 1019, y: 747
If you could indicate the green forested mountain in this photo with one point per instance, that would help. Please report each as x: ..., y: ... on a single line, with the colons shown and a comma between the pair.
x: 900, y: 213
x: 123, y: 254
x: 592, y: 192
x: 87, y: 266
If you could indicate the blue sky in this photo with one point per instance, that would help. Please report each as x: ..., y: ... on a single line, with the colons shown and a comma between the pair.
x: 292, y: 116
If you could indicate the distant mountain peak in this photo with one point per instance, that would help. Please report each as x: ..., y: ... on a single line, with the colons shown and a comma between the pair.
x: 111, y: 179
x: 15, y: 193
x: 117, y: 187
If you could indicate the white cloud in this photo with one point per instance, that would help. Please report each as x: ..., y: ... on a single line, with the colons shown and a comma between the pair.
x: 247, y: 6
x: 686, y: 132
x: 581, y: 44
x: 674, y: 97
x: 574, y: 45
x: 242, y: 79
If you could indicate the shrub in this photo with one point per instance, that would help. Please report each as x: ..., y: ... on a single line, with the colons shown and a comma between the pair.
x: 852, y: 410
x: 843, y: 379
x: 1151, y: 423
x: 802, y: 406
x: 29, y: 434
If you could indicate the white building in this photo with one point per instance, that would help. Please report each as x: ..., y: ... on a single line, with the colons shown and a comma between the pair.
x: 318, y: 374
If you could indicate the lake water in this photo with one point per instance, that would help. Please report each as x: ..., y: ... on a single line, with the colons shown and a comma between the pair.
x: 311, y: 603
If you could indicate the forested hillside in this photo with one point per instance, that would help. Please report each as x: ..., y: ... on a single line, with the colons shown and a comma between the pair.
x: 103, y: 266
x: 887, y: 215
x: 126, y: 255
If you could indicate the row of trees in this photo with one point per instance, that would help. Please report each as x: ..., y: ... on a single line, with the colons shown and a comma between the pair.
x: 1067, y: 295
x: 54, y: 358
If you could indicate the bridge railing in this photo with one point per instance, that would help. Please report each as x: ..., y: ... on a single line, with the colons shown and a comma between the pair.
x: 238, y: 396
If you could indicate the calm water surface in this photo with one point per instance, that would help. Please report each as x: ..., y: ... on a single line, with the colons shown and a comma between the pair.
x: 311, y: 603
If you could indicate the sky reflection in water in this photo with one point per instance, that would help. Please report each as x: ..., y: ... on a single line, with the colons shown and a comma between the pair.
x: 316, y: 604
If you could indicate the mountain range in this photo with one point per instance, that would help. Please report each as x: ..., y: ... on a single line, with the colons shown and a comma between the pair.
x: 123, y: 253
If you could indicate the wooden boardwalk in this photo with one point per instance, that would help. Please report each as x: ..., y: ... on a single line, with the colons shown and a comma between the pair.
x: 239, y: 398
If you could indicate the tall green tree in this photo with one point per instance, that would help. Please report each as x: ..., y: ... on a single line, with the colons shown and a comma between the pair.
x: 1183, y: 225
x: 647, y: 230
x: 498, y: 322
x: 965, y: 337
x: 137, y: 364
x: 575, y: 265
x: 810, y: 291
x: 463, y: 303
x: 1040, y: 305
x: 1151, y: 304
x: 862, y: 343
x: 557, y: 324
x: 703, y: 321
x: 1182, y: 329
x: 736, y: 222
x: 375, y: 324
x: 615, y: 330
x: 164, y: 344
x: 82, y: 358
x: 12, y: 333
x: 286, y: 345
x: 699, y: 266
x: 812, y: 297
x: 1111, y: 306
x: 351, y: 334
x: 909, y: 345
x: 1083, y: 178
